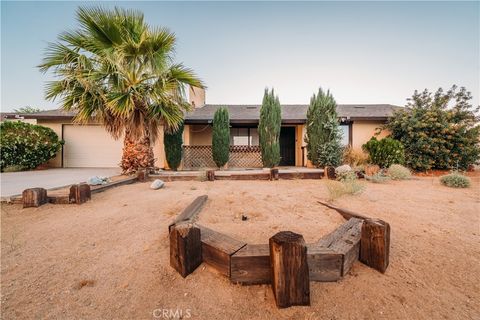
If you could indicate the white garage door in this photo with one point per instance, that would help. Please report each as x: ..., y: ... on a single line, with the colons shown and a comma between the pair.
x: 90, y: 146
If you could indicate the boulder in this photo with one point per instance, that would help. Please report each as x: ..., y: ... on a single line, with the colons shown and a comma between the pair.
x: 157, y: 184
x: 96, y: 180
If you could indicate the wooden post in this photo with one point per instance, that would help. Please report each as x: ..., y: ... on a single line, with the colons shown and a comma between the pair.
x: 274, y: 174
x: 185, y: 248
x: 79, y: 193
x: 210, y: 175
x: 375, y: 244
x: 142, y: 175
x: 34, y: 197
x: 329, y: 172
x: 290, y: 275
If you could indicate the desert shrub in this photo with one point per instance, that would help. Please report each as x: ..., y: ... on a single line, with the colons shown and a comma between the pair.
x: 399, y: 172
x: 384, y: 152
x: 336, y: 189
x: 379, y: 177
x: 173, y: 147
x: 455, y: 180
x: 354, y: 158
x: 24, y: 145
x: 221, y: 137
x: 439, y: 131
x: 345, y: 173
x: 269, y: 126
x: 323, y: 134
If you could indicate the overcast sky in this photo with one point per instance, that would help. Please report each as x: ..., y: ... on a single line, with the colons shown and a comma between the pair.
x: 364, y: 52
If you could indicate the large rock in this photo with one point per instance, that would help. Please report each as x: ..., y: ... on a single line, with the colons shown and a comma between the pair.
x: 96, y: 180
x: 157, y: 184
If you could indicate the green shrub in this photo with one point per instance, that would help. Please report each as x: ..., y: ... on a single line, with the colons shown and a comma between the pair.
x: 221, y: 137
x: 399, y: 172
x: 455, y: 180
x: 269, y: 126
x: 173, y: 147
x: 323, y: 136
x: 336, y: 189
x: 384, y: 152
x: 439, y: 131
x: 25, y: 145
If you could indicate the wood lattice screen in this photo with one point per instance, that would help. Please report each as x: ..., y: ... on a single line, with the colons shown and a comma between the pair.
x: 199, y: 157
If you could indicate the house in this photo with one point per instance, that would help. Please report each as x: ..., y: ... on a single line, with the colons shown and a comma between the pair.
x: 91, y: 146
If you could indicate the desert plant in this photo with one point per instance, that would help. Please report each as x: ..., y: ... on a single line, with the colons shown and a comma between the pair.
x: 354, y: 158
x: 120, y: 71
x: 336, y: 189
x: 439, y: 131
x: 455, y: 180
x: 384, y: 152
x: 24, y: 145
x: 173, y: 147
x: 221, y: 137
x: 27, y: 109
x: 345, y: 173
x: 379, y: 177
x: 269, y: 126
x: 323, y: 136
x: 399, y: 172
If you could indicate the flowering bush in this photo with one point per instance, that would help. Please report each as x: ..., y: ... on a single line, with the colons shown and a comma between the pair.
x: 26, y: 145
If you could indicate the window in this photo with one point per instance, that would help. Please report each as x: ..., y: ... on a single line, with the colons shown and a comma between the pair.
x: 244, y: 137
x: 345, y: 131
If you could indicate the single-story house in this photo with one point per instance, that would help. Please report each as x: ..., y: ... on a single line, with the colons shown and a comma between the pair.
x: 91, y: 146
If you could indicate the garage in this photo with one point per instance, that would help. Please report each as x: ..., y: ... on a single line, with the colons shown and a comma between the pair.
x: 90, y: 146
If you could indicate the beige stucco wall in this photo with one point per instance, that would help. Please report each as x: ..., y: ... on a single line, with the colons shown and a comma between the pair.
x: 200, y: 135
x: 362, y: 131
x: 56, y: 126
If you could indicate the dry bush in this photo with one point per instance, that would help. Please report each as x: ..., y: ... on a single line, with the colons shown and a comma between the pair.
x: 336, y: 189
x: 354, y: 158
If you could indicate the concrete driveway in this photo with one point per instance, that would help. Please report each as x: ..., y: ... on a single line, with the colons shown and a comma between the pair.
x: 13, y: 183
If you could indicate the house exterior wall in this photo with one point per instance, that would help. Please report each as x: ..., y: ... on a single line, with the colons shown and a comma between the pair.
x: 56, y: 126
x: 362, y: 131
x: 200, y: 135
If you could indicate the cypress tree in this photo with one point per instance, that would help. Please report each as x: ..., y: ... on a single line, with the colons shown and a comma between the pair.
x: 323, y: 134
x: 221, y: 137
x: 173, y: 147
x: 269, y: 129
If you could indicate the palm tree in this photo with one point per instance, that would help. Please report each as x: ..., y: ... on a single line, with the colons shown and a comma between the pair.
x: 121, y: 72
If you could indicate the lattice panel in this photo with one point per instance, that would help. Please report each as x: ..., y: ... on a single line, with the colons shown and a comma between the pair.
x: 245, y: 157
x: 198, y: 157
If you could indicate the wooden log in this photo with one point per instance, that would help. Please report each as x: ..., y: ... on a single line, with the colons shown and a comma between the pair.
x: 251, y: 265
x: 244, y: 176
x: 347, y: 214
x: 375, y: 244
x: 185, y: 248
x: 210, y: 175
x: 324, y: 264
x: 300, y: 175
x: 189, y: 212
x: 218, y: 248
x: 345, y: 240
x: 79, y: 193
x: 290, y: 275
x: 34, y: 197
x: 330, y: 173
x: 274, y: 174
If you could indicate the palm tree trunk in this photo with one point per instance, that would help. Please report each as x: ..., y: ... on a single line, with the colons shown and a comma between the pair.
x: 137, y: 153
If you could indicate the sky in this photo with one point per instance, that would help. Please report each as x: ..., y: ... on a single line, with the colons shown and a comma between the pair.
x: 364, y: 52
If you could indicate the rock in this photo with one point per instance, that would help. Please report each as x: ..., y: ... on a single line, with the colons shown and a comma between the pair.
x: 157, y: 184
x: 96, y: 180
x: 244, y: 218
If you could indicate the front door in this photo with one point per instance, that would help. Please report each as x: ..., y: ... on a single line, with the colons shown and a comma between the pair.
x: 287, y: 146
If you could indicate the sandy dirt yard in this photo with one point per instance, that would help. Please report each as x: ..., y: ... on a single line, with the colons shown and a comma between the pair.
x: 109, y: 258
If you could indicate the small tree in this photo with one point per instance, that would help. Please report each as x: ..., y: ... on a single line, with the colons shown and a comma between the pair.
x: 438, y: 131
x: 323, y: 134
x: 221, y: 137
x: 173, y: 147
x: 269, y: 126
